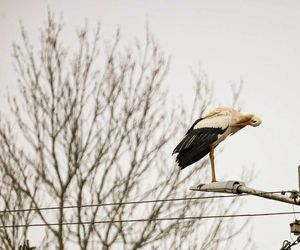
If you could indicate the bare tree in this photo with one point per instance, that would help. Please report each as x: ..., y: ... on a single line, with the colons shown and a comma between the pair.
x: 94, y: 127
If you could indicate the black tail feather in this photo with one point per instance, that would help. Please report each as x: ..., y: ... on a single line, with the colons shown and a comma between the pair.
x: 188, y: 157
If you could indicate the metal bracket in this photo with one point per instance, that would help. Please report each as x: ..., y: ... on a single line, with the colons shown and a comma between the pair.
x: 294, y: 195
x: 220, y: 187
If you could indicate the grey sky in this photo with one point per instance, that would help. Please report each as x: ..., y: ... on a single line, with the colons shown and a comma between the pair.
x: 258, y: 40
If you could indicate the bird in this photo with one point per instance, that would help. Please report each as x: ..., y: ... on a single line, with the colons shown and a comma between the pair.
x: 207, y: 132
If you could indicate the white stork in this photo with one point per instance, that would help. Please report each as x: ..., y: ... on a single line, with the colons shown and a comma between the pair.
x: 207, y: 132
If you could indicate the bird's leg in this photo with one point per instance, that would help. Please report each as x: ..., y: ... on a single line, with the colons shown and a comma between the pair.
x: 212, y: 163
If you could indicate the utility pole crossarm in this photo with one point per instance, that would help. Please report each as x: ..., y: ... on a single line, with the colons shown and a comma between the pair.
x: 269, y: 195
x: 237, y: 187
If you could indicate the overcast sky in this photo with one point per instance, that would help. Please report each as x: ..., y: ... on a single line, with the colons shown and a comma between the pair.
x: 256, y: 40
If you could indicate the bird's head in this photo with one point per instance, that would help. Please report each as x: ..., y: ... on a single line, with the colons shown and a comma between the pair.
x: 249, y: 119
x: 254, y: 121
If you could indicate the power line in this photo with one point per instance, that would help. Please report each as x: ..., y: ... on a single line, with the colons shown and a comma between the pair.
x: 132, y: 202
x: 147, y: 220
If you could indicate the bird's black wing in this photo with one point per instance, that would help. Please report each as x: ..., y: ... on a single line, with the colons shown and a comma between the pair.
x: 196, y: 144
x: 194, y: 124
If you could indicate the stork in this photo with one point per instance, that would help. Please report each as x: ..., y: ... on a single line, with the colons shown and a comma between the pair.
x: 207, y: 132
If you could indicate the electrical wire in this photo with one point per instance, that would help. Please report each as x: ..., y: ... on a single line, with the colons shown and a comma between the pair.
x: 147, y: 220
x: 132, y: 202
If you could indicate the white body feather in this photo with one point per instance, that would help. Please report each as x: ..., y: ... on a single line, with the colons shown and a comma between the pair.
x: 221, y: 118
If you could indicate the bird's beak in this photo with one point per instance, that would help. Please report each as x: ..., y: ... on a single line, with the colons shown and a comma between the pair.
x: 242, y: 124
